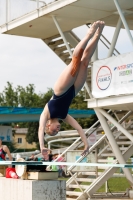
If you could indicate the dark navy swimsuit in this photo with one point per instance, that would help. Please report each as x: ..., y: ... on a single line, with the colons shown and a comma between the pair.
x: 59, y: 105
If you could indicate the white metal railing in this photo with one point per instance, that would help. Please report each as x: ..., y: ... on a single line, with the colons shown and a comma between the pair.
x: 13, y: 9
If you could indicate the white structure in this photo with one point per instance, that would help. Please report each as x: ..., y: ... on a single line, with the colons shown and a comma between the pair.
x: 53, y: 23
x: 32, y: 189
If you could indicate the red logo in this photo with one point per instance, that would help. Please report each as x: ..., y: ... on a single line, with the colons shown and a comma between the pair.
x: 103, y: 78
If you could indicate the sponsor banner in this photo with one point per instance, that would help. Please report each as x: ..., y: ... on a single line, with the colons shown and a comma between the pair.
x: 6, y: 133
x: 113, y: 76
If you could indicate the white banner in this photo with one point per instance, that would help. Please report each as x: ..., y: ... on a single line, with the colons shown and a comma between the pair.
x: 6, y: 133
x: 113, y: 76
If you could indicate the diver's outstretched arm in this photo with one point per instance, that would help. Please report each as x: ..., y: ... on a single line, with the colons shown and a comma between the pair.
x: 70, y: 120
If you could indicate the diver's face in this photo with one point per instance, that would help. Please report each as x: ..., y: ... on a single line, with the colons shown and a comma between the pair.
x: 54, y: 128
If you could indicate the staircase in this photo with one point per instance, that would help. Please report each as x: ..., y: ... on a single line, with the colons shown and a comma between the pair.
x: 96, y: 179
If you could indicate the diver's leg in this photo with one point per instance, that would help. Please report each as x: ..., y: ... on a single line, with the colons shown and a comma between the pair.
x: 69, y: 75
x: 88, y: 52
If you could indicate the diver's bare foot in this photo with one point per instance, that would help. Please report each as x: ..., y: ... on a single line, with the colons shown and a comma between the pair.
x: 93, y: 28
x: 99, y: 29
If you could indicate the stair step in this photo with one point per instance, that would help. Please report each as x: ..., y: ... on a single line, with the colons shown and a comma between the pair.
x: 124, y: 142
x: 76, y: 186
x: 70, y: 198
x: 72, y: 193
x: 121, y: 148
x: 56, y: 43
x: 60, y: 49
x: 122, y: 137
x: 105, y: 161
x: 107, y: 155
x: 85, y: 179
x: 102, y: 167
x: 91, y: 173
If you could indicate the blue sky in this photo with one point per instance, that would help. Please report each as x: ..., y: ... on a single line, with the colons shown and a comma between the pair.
x: 27, y: 60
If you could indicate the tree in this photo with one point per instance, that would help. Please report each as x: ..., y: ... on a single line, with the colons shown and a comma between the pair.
x: 27, y: 96
x: 9, y: 97
x: 32, y: 135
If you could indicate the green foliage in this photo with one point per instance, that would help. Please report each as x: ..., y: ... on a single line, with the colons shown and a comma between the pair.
x: 32, y: 132
x: 116, y: 185
x: 78, y: 102
x: 9, y: 97
x: 27, y: 96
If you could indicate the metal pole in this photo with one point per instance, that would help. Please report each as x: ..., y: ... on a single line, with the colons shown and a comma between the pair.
x: 7, y: 11
x: 88, y: 90
x: 123, y: 20
x: 37, y: 4
x: 62, y: 35
x: 113, y: 143
x: 125, y: 132
x: 95, y: 55
x: 115, y: 37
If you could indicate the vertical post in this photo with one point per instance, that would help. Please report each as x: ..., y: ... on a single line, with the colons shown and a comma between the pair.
x: 95, y: 55
x: 106, y: 187
x: 62, y: 35
x: 37, y: 4
x: 49, y: 145
x: 123, y: 20
x: 115, y: 37
x: 88, y: 90
x: 7, y: 11
x: 96, y: 156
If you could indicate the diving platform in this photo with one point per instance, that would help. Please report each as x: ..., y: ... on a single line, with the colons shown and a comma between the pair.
x: 36, y: 20
x: 120, y: 102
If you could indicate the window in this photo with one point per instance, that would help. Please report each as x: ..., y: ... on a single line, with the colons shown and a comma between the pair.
x: 19, y: 140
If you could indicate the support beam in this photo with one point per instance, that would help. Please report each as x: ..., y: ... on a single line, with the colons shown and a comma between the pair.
x: 62, y: 35
x: 95, y: 55
x: 123, y: 20
x: 7, y: 11
x: 115, y: 37
x: 111, y: 119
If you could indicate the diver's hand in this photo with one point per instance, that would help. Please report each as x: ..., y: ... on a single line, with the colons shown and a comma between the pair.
x: 86, y: 150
